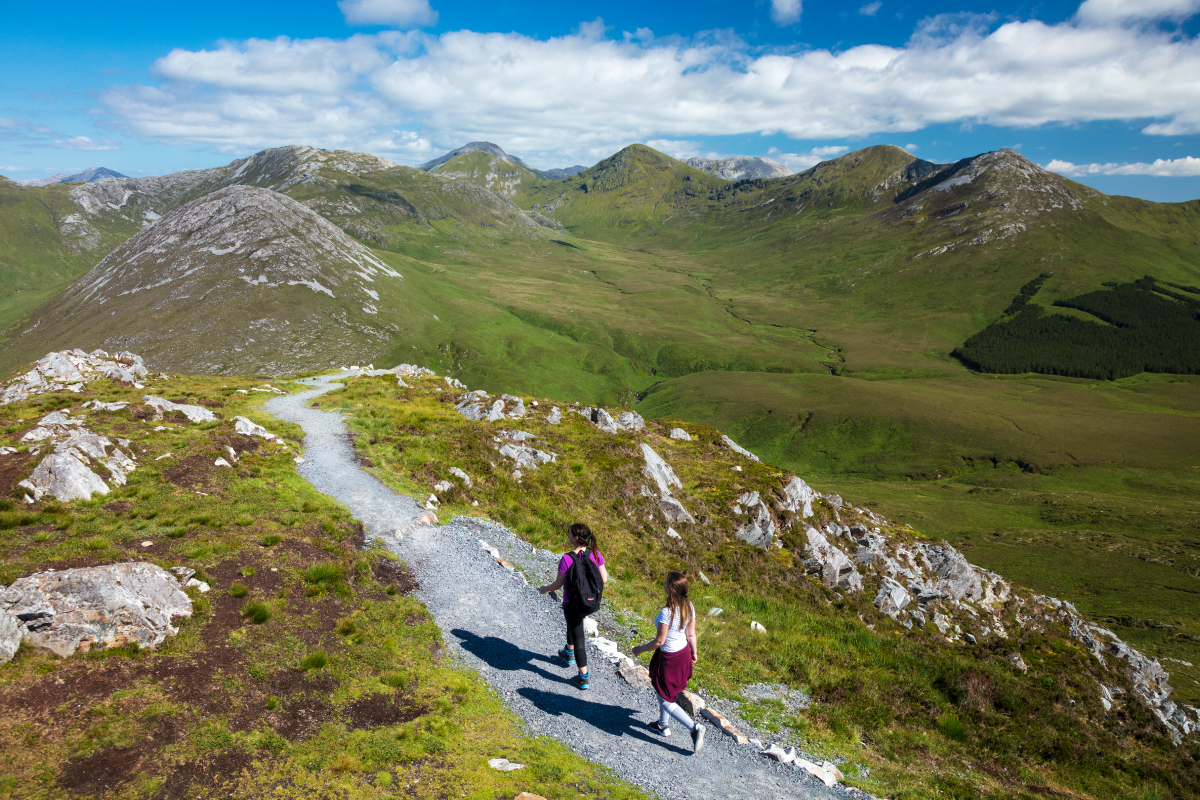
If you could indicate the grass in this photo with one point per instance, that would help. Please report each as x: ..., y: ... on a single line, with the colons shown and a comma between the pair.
x: 901, y: 708
x: 224, y: 708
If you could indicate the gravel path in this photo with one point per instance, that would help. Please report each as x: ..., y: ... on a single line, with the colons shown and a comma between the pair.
x: 500, y: 626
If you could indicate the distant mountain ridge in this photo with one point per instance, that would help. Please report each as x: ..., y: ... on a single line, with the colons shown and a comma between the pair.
x: 738, y: 168
x: 495, y: 150
x: 90, y: 175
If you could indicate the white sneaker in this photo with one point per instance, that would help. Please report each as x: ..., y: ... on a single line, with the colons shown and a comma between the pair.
x: 660, y: 731
x: 698, y: 738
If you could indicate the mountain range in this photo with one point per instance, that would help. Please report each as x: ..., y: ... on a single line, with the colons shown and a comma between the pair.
x: 87, y: 176
x: 811, y: 316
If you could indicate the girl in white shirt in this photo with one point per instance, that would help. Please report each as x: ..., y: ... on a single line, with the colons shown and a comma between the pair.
x: 674, y: 654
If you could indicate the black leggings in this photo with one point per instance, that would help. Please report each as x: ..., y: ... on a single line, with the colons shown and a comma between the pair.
x: 575, y: 634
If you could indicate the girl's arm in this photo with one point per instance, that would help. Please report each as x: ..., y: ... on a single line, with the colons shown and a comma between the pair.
x: 690, y: 633
x: 603, y: 574
x: 553, y: 587
x: 654, y: 643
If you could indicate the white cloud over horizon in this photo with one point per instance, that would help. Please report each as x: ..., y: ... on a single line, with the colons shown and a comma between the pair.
x: 569, y: 98
x: 1186, y: 167
x: 786, y: 12
x: 402, y: 14
x: 870, y: 9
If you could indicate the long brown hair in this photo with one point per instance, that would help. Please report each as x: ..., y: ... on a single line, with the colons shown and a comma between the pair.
x: 583, y: 534
x: 677, y: 598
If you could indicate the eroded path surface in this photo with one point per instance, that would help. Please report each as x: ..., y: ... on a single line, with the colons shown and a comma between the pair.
x: 501, y: 627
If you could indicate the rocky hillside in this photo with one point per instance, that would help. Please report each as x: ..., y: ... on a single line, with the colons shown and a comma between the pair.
x: 90, y: 175
x: 242, y: 280
x: 827, y: 624
x: 739, y: 167
x: 497, y: 152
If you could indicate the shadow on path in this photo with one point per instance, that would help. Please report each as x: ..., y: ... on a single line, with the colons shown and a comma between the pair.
x: 613, y: 720
x: 501, y: 654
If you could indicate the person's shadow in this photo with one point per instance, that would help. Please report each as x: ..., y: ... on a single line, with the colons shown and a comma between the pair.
x: 503, y: 655
x: 500, y: 654
x: 613, y: 720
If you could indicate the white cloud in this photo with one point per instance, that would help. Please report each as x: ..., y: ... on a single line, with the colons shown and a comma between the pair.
x: 570, y: 98
x: 786, y: 12
x: 870, y: 9
x: 1186, y: 167
x: 84, y: 143
x: 1109, y: 12
x: 682, y: 149
x: 798, y: 162
x: 13, y: 169
x: 402, y: 14
x: 912, y: 148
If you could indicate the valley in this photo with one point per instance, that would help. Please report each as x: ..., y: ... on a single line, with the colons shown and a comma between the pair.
x: 811, y: 317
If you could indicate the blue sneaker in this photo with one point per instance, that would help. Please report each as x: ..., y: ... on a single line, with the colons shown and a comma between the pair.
x: 581, y: 681
x: 567, y: 656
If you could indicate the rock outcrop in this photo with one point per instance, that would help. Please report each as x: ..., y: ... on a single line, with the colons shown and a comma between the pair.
x: 71, y: 369
x: 81, y: 609
x: 66, y: 472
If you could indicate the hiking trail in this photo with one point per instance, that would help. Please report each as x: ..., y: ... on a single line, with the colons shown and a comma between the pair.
x: 501, y: 627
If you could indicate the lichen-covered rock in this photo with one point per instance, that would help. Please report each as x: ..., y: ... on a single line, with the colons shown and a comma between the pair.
x: 604, y: 420
x: 680, y: 434
x: 659, y: 471
x: 554, y: 417
x: 760, y: 530
x: 193, y: 413
x: 526, y: 456
x: 10, y: 636
x: 464, y: 477
x: 495, y: 413
x: 673, y: 510
x: 630, y: 421
x: 798, y: 497
x: 892, y: 598
x: 79, y: 609
x: 64, y: 476
x: 955, y: 576
x: 247, y: 428
x: 737, y: 448
x: 828, y: 561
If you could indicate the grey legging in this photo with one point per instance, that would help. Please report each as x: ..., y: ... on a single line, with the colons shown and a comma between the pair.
x: 667, y: 709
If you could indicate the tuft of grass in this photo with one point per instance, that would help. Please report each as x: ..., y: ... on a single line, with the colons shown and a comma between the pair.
x: 244, y: 520
x: 325, y: 573
x: 314, y: 660
x: 257, y: 612
x: 177, y: 532
x: 238, y: 590
x: 952, y: 728
x: 272, y: 703
x: 271, y: 539
x: 248, y: 571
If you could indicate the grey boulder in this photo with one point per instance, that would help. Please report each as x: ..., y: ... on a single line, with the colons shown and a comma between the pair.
x: 827, y: 560
x: 674, y: 511
x: 193, y: 413
x: 659, y: 471
x: 79, y: 609
x: 798, y: 498
x: 760, y: 530
x: 737, y: 448
x: 680, y: 434
x: 892, y: 598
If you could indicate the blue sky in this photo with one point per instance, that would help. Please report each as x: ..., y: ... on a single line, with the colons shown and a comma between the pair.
x: 1105, y: 92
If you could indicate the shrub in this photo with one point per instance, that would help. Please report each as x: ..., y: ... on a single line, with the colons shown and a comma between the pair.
x: 314, y: 660
x: 347, y: 627
x: 248, y: 571
x: 270, y: 540
x: 96, y: 543
x: 310, y: 507
x: 238, y: 590
x: 177, y: 533
x: 272, y: 703
x: 256, y: 612
x: 245, y: 520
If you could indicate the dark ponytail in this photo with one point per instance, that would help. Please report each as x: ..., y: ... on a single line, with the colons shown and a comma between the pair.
x: 583, y: 534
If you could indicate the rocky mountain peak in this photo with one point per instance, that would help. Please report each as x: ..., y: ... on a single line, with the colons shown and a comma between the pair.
x: 241, y: 280
x: 737, y: 168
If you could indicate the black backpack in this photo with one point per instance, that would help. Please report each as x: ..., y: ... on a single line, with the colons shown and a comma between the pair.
x: 584, y: 584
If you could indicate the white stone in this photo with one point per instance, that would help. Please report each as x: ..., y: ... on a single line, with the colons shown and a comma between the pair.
x: 496, y: 412
x: 704, y: 578
x: 737, y: 448
x: 680, y: 434
x: 671, y: 532
x: 193, y: 413
x: 65, y: 476
x: 659, y: 471
x: 674, y: 511
x: 504, y: 765
x: 443, y: 486
x: 892, y: 598
x: 716, y: 612
x: 554, y: 417
x: 11, y: 634
x: 591, y: 627
x: 816, y: 771
x: 757, y: 628
x: 247, y: 428
x: 834, y: 567
x: 798, y: 497
x: 458, y: 473
x: 220, y: 462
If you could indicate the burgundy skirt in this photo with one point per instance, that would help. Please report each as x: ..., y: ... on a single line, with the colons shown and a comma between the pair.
x: 670, y: 672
